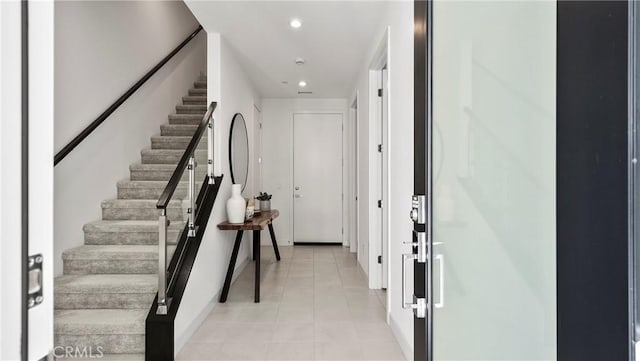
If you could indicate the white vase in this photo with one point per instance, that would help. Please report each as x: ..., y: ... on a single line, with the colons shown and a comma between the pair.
x: 236, y: 205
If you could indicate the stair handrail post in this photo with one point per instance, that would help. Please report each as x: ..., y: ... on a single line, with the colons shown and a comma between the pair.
x: 162, y: 264
x: 210, y: 150
x: 191, y: 194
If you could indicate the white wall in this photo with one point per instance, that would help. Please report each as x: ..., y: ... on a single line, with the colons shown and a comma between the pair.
x: 277, y: 155
x: 230, y: 87
x: 101, y: 49
x: 399, y: 19
x: 10, y: 178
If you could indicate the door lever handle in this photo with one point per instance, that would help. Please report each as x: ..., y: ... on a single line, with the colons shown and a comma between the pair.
x: 297, y: 195
x: 420, y: 305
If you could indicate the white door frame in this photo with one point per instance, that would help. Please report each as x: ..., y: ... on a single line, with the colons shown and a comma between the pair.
x: 11, y: 326
x: 354, y: 176
x: 378, y: 172
x: 37, y: 213
x: 292, y: 175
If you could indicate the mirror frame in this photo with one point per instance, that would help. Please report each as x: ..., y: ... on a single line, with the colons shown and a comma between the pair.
x: 244, y: 123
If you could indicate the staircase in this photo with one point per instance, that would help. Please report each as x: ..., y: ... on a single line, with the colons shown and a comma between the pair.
x: 109, y: 283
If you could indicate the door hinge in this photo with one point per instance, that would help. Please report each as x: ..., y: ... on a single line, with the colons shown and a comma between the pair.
x: 380, y: 148
x: 379, y: 259
x: 380, y: 92
x: 342, y: 230
x: 379, y: 203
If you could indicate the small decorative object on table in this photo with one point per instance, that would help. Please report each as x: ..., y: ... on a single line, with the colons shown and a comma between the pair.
x: 265, y: 201
x: 251, y: 205
x: 236, y: 205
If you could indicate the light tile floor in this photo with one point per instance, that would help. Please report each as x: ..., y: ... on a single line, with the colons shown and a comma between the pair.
x: 315, y: 305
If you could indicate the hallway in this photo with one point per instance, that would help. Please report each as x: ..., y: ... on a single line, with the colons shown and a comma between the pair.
x: 315, y: 305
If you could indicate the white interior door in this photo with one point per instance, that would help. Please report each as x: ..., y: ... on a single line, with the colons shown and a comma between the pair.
x: 317, y: 178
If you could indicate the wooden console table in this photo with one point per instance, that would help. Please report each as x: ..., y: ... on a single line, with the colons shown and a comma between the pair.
x: 256, y: 224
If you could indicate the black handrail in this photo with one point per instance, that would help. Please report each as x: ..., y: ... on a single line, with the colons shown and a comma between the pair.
x: 91, y: 127
x: 168, y: 191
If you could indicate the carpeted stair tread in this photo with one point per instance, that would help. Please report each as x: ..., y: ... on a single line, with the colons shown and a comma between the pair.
x: 129, y: 232
x: 198, y: 91
x: 193, y: 109
x: 175, y: 142
x: 100, y: 321
x: 178, y: 130
x: 107, y: 283
x: 112, y: 252
x: 170, y: 156
x: 194, y: 100
x: 194, y: 119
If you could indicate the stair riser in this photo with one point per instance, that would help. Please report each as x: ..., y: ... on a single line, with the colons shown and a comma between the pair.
x: 142, y: 175
x: 148, y: 175
x: 155, y: 192
x: 191, y: 110
x: 177, y: 131
x: 198, y: 91
x: 128, y: 266
x: 176, y: 144
x: 172, y: 157
x: 185, y: 120
x: 128, y: 238
x: 140, y: 214
x: 123, y: 343
x: 102, y: 300
x: 188, y: 101
x: 149, y: 193
x: 200, y: 84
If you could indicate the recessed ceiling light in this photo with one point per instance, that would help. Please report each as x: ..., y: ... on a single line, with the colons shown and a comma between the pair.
x: 300, y: 61
x: 295, y: 23
x: 302, y: 84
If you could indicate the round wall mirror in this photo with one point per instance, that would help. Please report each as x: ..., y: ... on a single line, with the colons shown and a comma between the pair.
x: 239, y: 151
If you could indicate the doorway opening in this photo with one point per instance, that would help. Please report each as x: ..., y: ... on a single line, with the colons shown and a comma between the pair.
x: 379, y: 167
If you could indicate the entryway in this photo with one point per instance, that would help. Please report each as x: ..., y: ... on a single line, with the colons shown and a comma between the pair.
x: 315, y: 305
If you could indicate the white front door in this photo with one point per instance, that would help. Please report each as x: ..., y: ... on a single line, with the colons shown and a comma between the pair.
x: 317, y: 178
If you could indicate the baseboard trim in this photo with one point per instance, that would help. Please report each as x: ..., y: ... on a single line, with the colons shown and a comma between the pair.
x: 405, y: 346
x: 182, y: 339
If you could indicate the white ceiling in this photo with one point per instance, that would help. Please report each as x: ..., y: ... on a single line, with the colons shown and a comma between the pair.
x: 333, y: 39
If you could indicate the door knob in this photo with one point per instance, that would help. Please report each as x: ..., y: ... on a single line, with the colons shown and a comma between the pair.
x: 297, y: 188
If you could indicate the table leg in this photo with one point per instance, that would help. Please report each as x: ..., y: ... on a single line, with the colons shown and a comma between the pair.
x: 254, y: 246
x: 232, y: 266
x: 256, y: 253
x: 273, y: 240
